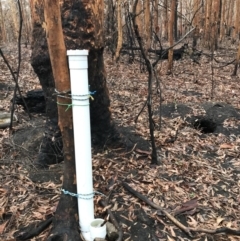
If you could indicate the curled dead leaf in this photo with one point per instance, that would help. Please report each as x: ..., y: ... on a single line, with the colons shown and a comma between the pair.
x: 226, y: 146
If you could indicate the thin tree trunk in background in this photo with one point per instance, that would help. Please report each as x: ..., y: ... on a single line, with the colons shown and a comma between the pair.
x: 202, y: 15
x: 196, y: 19
x: 2, y: 26
x: 232, y: 5
x: 110, y: 30
x: 207, y: 30
x: 237, y: 21
x: 230, y: 17
x: 155, y: 5
x: 223, y: 19
x: 154, y: 160
x: 139, y: 18
x: 170, y: 35
x: 147, y: 24
x: 176, y: 22
x: 237, y: 62
x: 65, y: 225
x: 107, y: 20
x: 215, y: 23
x: 181, y: 22
x: 219, y: 15
x: 120, y: 32
x: 165, y: 14
x: 26, y: 21
x: 14, y: 18
x: 29, y: 21
x: 228, y: 4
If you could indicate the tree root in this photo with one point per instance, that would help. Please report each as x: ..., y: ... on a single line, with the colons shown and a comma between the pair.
x: 32, y: 230
x: 63, y: 233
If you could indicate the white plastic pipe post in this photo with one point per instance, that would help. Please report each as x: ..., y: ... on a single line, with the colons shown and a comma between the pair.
x: 78, y: 65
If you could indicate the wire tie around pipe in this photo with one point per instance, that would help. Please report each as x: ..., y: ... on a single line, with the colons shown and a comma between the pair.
x: 82, y: 196
x: 70, y: 98
x: 70, y: 105
x: 67, y: 95
x: 89, y: 97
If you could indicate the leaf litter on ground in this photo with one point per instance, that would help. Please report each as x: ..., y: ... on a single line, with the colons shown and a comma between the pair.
x: 198, y: 180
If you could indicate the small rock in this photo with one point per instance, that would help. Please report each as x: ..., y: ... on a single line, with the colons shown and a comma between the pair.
x: 112, y: 232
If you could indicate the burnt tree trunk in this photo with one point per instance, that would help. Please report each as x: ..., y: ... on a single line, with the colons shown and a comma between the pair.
x: 82, y: 24
x: 170, y: 35
x: 65, y: 225
x: 51, y: 148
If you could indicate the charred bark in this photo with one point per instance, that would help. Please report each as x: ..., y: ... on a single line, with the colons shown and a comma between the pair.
x: 34, y: 99
x: 82, y: 30
x: 51, y: 148
x: 65, y: 221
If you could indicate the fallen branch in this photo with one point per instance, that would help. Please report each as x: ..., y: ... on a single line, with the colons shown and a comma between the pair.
x: 226, y: 64
x: 154, y: 205
x: 166, y: 50
x: 187, y: 230
x: 224, y: 230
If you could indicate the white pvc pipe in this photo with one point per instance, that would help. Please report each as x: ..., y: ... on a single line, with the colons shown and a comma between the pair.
x: 78, y: 65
